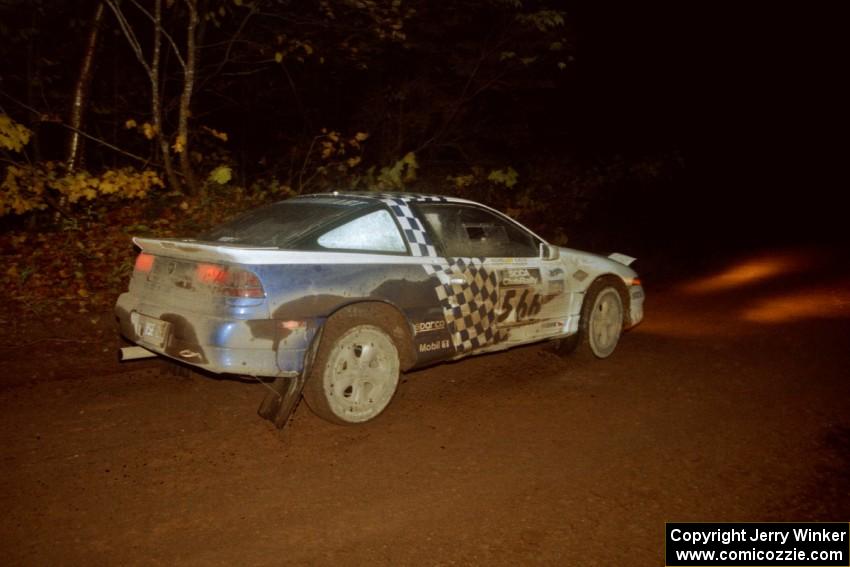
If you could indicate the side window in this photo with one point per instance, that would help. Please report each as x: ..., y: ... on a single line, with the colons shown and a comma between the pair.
x: 376, y: 232
x: 470, y: 231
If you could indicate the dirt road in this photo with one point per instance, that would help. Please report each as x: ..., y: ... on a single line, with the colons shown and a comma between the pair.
x: 729, y: 403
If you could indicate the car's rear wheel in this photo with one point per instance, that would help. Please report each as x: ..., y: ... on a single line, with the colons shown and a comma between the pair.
x: 355, y: 374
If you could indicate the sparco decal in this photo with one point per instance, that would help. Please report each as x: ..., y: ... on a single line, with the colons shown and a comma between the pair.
x: 436, y: 345
x: 426, y: 326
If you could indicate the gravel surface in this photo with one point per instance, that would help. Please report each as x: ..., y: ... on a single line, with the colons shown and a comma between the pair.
x: 729, y: 403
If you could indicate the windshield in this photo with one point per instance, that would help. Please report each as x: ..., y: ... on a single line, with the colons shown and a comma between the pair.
x: 281, y: 224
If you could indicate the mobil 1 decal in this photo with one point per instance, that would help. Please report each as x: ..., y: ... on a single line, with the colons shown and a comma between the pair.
x: 519, y: 295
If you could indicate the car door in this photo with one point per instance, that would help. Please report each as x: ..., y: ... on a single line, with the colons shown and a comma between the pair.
x: 497, y: 290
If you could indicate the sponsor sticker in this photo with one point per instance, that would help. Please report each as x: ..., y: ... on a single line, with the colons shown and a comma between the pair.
x: 426, y: 326
x: 556, y: 287
x: 436, y: 345
x: 519, y: 276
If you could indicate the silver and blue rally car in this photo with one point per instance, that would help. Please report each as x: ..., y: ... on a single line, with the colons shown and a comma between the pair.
x: 333, y: 295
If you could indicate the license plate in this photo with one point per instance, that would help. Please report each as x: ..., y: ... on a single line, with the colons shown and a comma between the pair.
x: 151, y: 330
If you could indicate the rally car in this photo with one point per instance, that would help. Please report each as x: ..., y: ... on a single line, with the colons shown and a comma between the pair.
x: 333, y: 295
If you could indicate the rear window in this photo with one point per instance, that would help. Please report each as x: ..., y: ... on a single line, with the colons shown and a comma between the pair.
x: 375, y: 232
x: 281, y: 224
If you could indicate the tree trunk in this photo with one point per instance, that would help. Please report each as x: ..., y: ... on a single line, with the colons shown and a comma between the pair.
x: 74, y: 154
x: 186, y: 98
x: 156, y: 101
x: 34, y: 78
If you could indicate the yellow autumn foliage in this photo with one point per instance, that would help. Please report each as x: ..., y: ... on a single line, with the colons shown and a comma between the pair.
x: 461, y: 182
x: 507, y: 177
x: 148, y: 130
x: 179, y: 144
x: 396, y: 176
x: 13, y: 136
x: 215, y: 133
x: 221, y: 175
x: 25, y: 187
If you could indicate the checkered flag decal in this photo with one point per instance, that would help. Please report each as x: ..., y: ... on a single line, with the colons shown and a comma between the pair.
x: 470, y: 308
x: 430, y: 199
x: 417, y: 236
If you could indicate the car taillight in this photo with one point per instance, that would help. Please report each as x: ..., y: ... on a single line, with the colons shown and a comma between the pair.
x: 229, y: 281
x: 636, y: 281
x: 144, y: 262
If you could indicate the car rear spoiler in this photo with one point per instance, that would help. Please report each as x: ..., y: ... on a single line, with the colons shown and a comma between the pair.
x: 194, y: 250
x: 253, y: 255
x: 621, y: 258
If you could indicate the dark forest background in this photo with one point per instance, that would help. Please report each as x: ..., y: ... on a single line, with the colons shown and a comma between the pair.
x: 667, y: 130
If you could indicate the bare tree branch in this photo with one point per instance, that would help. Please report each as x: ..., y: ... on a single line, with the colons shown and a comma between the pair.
x: 156, y: 22
x: 105, y: 143
x: 95, y: 139
x: 129, y: 34
x: 226, y: 58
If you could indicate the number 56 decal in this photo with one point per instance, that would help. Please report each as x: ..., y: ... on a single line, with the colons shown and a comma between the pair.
x: 518, y: 305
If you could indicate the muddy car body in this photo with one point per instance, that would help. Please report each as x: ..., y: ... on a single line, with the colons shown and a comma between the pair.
x: 351, y: 288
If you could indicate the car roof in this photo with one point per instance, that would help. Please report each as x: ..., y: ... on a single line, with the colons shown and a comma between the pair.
x: 359, y: 197
x: 387, y: 195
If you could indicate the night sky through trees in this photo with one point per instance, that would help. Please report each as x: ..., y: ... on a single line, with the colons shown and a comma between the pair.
x: 739, y: 105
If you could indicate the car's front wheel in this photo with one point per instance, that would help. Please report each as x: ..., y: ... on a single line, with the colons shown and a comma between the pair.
x: 602, y: 318
x: 355, y: 373
x: 601, y: 322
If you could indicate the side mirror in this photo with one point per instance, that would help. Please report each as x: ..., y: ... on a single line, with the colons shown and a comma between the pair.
x: 549, y: 252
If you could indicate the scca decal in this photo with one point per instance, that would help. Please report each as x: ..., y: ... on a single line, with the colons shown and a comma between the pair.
x: 519, y: 276
x: 426, y: 326
x: 436, y: 345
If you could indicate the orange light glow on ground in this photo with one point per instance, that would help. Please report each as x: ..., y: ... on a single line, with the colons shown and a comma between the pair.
x: 820, y: 303
x: 690, y: 327
x: 783, y: 286
x: 748, y: 272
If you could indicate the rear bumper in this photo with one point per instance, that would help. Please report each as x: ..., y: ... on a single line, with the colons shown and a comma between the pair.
x: 217, y: 344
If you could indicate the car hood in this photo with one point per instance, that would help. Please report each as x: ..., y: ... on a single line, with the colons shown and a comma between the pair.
x: 596, y: 264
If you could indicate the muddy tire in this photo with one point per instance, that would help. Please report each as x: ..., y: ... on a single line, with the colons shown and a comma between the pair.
x: 601, y: 323
x: 177, y: 370
x: 356, y: 371
x: 566, y: 345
